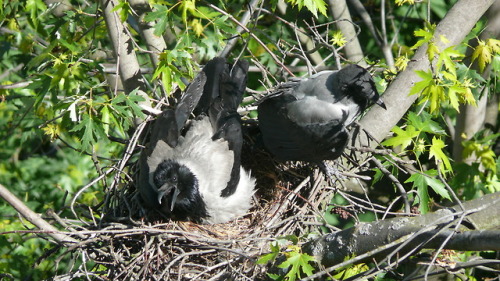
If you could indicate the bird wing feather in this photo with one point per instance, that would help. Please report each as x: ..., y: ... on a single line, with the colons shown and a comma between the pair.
x: 290, y: 140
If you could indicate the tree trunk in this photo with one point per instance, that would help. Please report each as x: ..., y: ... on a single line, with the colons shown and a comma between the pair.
x: 457, y: 23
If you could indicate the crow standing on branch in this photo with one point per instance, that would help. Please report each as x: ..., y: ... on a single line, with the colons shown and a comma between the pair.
x: 191, y: 169
x: 306, y: 119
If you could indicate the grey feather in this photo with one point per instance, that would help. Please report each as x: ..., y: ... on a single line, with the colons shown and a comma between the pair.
x: 187, y: 164
x: 306, y: 119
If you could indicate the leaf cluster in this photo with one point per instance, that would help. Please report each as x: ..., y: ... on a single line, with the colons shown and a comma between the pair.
x: 295, y: 263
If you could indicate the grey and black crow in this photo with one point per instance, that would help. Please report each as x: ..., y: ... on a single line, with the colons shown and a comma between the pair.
x: 306, y: 119
x: 191, y: 168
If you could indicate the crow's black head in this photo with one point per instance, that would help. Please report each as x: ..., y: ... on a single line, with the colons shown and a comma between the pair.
x: 356, y: 82
x: 178, y: 192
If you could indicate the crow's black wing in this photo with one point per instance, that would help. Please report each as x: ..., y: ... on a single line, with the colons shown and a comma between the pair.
x: 189, y: 101
x: 288, y: 140
x: 167, y: 127
x: 224, y: 116
x: 211, y: 90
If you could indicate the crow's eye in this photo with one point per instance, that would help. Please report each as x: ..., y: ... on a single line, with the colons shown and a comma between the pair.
x: 174, y: 178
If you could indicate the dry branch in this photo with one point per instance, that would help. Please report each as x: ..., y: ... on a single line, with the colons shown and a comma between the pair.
x: 34, y: 218
x: 426, y: 231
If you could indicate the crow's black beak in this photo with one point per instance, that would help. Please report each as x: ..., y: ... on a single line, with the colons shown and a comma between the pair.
x: 164, y: 189
x: 381, y: 103
x: 174, y: 198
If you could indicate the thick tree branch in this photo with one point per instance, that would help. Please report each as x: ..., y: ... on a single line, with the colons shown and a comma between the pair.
x: 472, y: 118
x: 379, y: 122
x: 33, y: 217
x: 123, y: 47
x: 340, y: 12
x: 155, y: 44
x: 425, y: 231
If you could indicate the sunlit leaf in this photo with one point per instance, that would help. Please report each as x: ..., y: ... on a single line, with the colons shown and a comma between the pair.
x: 447, y: 57
x: 402, y: 138
x: 314, y: 6
x: 436, y: 152
x: 425, y: 35
x: 483, y: 54
x: 427, y: 80
x: 297, y: 263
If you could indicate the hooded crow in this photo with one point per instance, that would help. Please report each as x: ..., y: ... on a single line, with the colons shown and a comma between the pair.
x: 191, y: 168
x: 306, y: 119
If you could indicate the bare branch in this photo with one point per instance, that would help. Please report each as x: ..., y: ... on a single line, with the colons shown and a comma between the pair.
x: 33, y: 217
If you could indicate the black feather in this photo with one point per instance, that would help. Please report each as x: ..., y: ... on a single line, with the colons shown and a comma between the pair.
x: 176, y: 177
x: 188, y: 202
x: 306, y: 119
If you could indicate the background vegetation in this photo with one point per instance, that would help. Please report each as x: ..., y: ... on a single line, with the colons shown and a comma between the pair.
x: 79, y: 78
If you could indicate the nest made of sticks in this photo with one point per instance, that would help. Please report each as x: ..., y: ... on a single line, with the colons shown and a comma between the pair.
x: 127, y: 242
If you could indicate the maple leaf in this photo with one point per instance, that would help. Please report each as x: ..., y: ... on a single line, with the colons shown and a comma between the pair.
x: 446, y: 57
x: 299, y: 262
x: 403, y: 138
x: 314, y: 6
x: 494, y: 44
x: 427, y: 34
x: 423, y: 122
x: 436, y: 152
x: 422, y: 181
x: 427, y: 80
x: 483, y: 54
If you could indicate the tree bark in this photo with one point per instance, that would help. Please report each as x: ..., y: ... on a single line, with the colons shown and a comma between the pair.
x: 34, y: 218
x: 123, y: 47
x: 342, y: 16
x: 471, y: 118
x: 412, y: 233
x: 457, y: 23
x: 155, y: 44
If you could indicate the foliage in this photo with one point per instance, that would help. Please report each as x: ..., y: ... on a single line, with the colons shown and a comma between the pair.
x: 314, y: 6
x: 59, y: 120
x: 295, y: 261
x: 447, y: 84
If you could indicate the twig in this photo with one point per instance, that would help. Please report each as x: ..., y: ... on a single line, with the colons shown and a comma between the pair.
x: 400, y: 187
x: 34, y: 218
x: 278, y: 62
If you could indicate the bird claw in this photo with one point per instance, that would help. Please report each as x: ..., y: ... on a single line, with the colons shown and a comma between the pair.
x: 330, y: 171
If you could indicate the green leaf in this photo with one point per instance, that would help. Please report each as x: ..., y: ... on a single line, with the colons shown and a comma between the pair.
x: 423, y: 122
x: 267, y: 257
x: 297, y: 262
x: 422, y: 182
x: 435, y: 94
x: 483, y: 54
x: 275, y: 250
x: 123, y: 9
x: 426, y: 35
x: 161, y: 16
x: 105, y: 116
x: 446, y: 57
x: 402, y: 138
x: 87, y: 125
x: 427, y: 80
x: 436, y: 151
x: 132, y: 101
x: 314, y: 6
x: 351, y: 271
x: 483, y: 152
x: 35, y: 8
